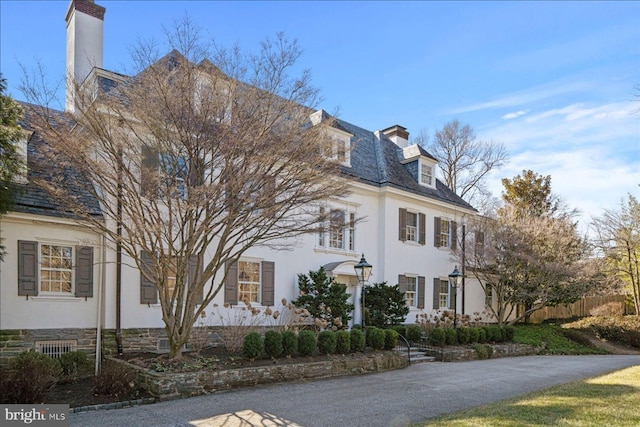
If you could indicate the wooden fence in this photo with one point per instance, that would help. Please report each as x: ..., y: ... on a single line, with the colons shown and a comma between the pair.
x: 581, y: 308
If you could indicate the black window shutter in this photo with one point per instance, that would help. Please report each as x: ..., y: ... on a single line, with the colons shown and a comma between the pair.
x: 436, y: 293
x: 149, y: 169
x: 27, y: 268
x: 420, y: 297
x: 194, y: 275
x: 454, y: 235
x: 268, y: 283
x: 436, y: 231
x: 422, y: 226
x: 148, y: 291
x: 402, y: 283
x: 402, y: 224
x: 84, y: 271
x: 231, y: 284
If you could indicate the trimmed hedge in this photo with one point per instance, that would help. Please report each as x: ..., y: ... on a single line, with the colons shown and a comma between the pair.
x: 357, y: 340
x: 327, y: 342
x: 306, y: 343
x: 253, y: 345
x: 343, y: 342
x: 289, y: 343
x: 273, y: 344
x: 390, y: 339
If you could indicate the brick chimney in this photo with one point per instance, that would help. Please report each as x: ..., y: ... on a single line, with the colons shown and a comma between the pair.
x: 85, y: 22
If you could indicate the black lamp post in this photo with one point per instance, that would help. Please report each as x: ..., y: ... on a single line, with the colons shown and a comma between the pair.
x: 454, y: 280
x: 363, y: 272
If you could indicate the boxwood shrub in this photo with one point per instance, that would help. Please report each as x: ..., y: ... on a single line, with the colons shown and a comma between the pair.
x: 253, y: 345
x: 289, y: 343
x: 343, y: 342
x: 464, y: 335
x: 327, y: 342
x: 390, y: 339
x: 436, y: 337
x: 357, y: 340
x: 273, y: 344
x: 414, y: 334
x: 375, y: 338
x: 306, y: 343
x: 450, y: 336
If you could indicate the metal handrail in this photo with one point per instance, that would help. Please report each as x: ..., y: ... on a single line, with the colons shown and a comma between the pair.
x: 406, y: 344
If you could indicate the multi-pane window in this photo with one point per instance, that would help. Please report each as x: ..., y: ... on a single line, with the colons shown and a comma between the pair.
x: 338, y: 230
x: 426, y: 174
x: 488, y: 296
x: 444, y: 294
x: 249, y: 281
x: 445, y: 232
x: 412, y: 226
x: 411, y: 292
x: 352, y: 231
x: 321, y: 232
x: 56, y: 268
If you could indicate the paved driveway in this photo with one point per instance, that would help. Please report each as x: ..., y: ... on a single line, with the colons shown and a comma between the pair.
x: 395, y: 398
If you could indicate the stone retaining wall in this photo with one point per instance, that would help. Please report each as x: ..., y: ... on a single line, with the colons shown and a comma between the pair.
x: 168, y: 385
x: 461, y: 353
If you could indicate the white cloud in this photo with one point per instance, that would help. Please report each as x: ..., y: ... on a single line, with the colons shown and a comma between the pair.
x: 514, y: 115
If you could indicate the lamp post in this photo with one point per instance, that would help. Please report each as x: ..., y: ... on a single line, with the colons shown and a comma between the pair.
x: 363, y: 272
x: 454, y: 280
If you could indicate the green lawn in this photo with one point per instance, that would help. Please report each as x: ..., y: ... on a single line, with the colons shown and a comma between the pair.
x: 610, y: 400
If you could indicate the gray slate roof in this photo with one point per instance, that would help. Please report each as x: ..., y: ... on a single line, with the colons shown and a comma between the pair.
x: 377, y: 162
x: 31, y: 198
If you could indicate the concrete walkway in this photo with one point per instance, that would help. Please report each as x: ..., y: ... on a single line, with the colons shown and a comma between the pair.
x: 396, y: 398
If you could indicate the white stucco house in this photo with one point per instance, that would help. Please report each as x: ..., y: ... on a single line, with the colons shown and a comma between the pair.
x: 57, y: 281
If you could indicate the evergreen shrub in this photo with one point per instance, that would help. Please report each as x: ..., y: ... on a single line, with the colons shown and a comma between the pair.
x: 414, y: 334
x: 436, y: 337
x: 327, y: 342
x: 464, y: 335
x: 390, y: 339
x: 289, y: 343
x: 375, y: 338
x: 357, y: 340
x: 343, y: 342
x: 273, y: 344
x: 306, y: 343
x: 252, y: 345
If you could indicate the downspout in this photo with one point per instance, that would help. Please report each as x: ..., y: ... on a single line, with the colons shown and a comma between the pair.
x: 464, y: 262
x: 119, y: 257
x: 103, y: 276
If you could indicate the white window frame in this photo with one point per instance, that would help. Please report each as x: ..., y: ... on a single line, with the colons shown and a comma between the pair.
x: 429, y: 181
x: 411, y: 295
x: 413, y: 231
x: 444, y: 296
x: 338, y: 239
x: 445, y: 233
x: 488, y: 295
x: 248, y: 283
x: 52, y: 269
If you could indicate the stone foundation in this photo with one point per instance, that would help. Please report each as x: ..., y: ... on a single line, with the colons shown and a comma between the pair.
x: 166, y: 385
x: 15, y: 341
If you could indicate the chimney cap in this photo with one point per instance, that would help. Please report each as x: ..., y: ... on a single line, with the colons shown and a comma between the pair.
x: 87, y: 7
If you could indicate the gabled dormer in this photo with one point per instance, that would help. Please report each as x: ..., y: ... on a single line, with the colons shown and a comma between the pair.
x: 339, y: 147
x: 418, y: 162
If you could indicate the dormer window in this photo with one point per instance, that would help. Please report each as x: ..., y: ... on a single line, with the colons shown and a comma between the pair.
x: 338, y: 145
x: 426, y: 174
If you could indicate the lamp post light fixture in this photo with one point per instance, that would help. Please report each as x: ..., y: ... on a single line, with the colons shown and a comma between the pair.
x: 454, y: 281
x: 363, y: 272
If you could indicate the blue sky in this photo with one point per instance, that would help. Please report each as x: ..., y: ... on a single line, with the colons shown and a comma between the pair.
x: 553, y: 81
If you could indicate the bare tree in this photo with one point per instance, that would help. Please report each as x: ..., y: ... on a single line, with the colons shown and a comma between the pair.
x: 193, y: 163
x: 463, y: 160
x: 618, y: 238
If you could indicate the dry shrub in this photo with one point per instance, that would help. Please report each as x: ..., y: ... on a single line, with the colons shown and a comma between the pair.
x: 237, y: 322
x: 114, y: 380
x: 608, y: 309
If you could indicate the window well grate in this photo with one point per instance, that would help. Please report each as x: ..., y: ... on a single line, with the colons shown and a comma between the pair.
x: 57, y: 348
